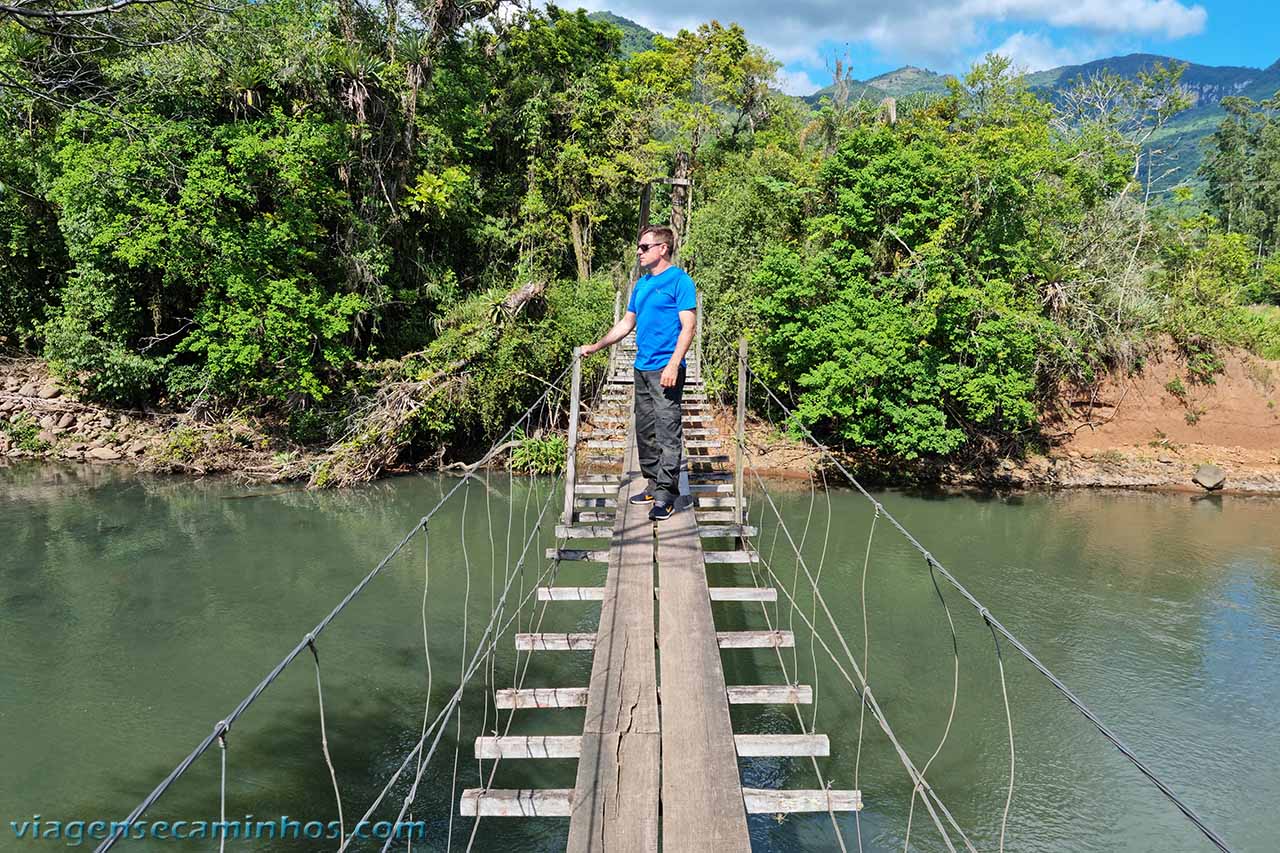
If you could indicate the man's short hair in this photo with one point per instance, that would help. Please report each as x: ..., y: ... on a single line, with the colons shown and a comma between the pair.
x: 662, y: 234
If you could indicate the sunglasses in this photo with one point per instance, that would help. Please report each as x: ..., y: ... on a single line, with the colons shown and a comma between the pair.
x: 644, y: 247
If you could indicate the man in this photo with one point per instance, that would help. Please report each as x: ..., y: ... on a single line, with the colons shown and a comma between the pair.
x: 661, y: 311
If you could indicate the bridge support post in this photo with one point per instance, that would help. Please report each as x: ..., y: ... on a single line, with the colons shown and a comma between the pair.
x: 571, y: 462
x: 741, y: 430
x: 697, y: 341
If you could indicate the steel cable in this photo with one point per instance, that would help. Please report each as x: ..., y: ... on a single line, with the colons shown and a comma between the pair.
x: 1026, y: 653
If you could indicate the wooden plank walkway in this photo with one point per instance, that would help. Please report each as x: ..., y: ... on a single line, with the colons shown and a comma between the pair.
x: 702, y: 805
x: 657, y: 757
x: 615, y: 804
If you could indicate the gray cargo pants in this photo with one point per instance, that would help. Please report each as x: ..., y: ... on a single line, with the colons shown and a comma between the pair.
x: 659, y: 434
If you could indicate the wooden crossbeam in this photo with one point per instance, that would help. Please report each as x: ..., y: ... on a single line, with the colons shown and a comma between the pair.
x: 560, y: 746
x: 770, y: 694
x: 593, y: 556
x: 731, y: 556
x: 524, y: 802
x: 743, y: 593
x: 555, y: 642
x: 594, y: 531
x: 719, y: 502
x: 731, y: 531
x: 769, y: 746
x: 546, y: 697
x: 579, y: 593
x: 755, y: 639
x: 770, y: 801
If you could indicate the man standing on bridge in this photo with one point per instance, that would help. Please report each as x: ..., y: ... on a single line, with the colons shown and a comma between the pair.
x: 661, y: 311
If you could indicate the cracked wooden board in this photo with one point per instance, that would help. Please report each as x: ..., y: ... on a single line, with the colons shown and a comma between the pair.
x: 702, y: 806
x: 615, y: 804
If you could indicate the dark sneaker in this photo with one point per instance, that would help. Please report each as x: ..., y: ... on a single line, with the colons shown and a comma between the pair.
x: 661, y: 511
x: 641, y: 499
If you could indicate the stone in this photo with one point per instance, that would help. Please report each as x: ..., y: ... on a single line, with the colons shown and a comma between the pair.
x: 1165, y: 458
x: 103, y: 454
x: 12, y: 384
x: 48, y: 422
x: 80, y: 447
x: 1210, y: 477
x: 66, y: 421
x: 46, y: 436
x: 137, y: 447
x: 28, y: 390
x: 7, y: 406
x: 48, y: 391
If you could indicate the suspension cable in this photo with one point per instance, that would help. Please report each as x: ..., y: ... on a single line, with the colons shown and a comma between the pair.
x: 224, y: 725
x: 998, y: 628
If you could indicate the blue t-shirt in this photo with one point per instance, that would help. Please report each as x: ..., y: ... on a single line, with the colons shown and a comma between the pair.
x: 657, y: 301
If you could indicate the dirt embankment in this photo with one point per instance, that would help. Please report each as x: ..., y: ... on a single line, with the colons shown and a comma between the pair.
x: 38, y: 419
x: 1157, y: 427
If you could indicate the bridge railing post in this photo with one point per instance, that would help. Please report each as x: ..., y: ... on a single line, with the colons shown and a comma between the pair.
x: 697, y: 340
x: 740, y: 431
x: 571, y: 462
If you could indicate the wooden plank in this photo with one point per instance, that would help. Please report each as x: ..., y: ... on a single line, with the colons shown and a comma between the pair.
x: 589, y: 517
x: 705, y: 489
x: 715, y: 515
x: 524, y: 802
x: 615, y: 805
x: 718, y: 502
x: 573, y: 593
x: 621, y: 812
x: 770, y: 801
x: 723, y: 531
x: 555, y: 642
x: 755, y: 639
x: 592, y: 556
x: 596, y: 531
x: 543, y: 697
x: 607, y: 445
x: 702, y: 806
x: 596, y: 502
x: 710, y: 476
x: 544, y: 746
x: 743, y: 593
x: 770, y: 694
x: 772, y: 746
x: 728, y: 557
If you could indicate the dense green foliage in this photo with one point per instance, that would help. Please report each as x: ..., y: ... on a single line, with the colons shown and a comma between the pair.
x: 389, y: 232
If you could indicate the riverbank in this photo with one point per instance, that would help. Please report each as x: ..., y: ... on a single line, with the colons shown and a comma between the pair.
x: 1149, y: 430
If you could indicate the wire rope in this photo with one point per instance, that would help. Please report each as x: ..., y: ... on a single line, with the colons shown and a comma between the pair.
x: 120, y: 828
x: 1017, y: 644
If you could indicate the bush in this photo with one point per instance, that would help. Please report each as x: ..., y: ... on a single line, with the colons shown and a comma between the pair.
x: 538, y: 454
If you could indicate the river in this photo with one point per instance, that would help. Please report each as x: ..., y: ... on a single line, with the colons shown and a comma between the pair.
x: 135, y: 613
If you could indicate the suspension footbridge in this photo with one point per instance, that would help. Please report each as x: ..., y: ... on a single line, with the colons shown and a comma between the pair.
x: 658, y: 755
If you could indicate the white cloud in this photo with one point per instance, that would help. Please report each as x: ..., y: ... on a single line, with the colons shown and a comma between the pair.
x: 796, y: 82
x: 1035, y: 52
x: 943, y: 34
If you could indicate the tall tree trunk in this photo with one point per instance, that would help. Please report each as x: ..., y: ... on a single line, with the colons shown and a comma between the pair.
x: 680, y: 198
x: 581, y: 247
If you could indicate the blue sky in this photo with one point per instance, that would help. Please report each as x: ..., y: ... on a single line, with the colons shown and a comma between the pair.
x: 948, y: 35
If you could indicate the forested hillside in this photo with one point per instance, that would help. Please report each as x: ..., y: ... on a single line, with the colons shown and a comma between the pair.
x: 381, y: 233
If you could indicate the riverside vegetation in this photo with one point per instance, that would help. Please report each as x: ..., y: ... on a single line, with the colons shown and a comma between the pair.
x: 376, y: 230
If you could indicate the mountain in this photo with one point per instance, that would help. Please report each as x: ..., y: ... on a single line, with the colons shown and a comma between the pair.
x: 908, y: 80
x: 635, y: 38
x: 1181, y: 141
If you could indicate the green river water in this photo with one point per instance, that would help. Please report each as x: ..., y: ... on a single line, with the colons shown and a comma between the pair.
x: 136, y: 612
